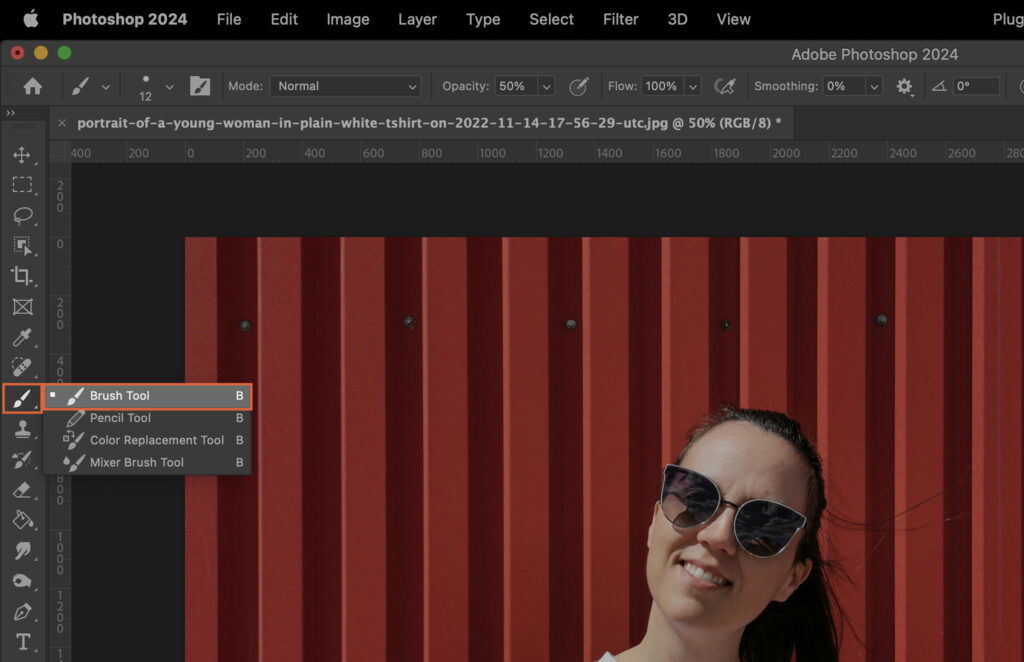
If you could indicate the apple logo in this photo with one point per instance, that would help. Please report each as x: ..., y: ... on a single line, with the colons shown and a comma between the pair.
x: 32, y: 19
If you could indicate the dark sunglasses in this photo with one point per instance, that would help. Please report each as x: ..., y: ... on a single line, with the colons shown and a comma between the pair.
x: 762, y: 527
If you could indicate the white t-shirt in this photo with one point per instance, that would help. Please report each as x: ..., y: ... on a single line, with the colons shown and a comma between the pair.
x: 607, y: 657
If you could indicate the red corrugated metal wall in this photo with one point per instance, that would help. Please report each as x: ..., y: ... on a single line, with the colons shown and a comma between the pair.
x: 458, y: 441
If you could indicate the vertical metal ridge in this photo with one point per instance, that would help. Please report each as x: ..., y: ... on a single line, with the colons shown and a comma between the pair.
x: 445, y: 446
x: 363, y: 462
x: 919, y: 449
x: 724, y: 316
x: 486, y: 448
x: 802, y: 334
x: 279, y: 398
x: 685, y: 339
x: 321, y: 450
x: 202, y: 528
x: 842, y: 413
x: 238, y: 498
x: 880, y: 578
x: 526, y: 550
x: 996, y: 450
x: 764, y: 304
x: 645, y: 406
x: 565, y: 392
x: 605, y: 453
x: 404, y: 415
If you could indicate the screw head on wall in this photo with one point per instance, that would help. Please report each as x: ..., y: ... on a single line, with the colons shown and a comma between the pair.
x: 245, y: 325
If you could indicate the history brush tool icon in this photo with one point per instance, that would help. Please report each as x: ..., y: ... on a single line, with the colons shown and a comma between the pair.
x: 21, y: 459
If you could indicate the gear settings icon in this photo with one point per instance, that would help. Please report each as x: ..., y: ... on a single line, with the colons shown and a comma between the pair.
x: 904, y: 86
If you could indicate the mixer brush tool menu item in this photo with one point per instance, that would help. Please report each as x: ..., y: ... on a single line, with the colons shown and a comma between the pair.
x: 162, y: 429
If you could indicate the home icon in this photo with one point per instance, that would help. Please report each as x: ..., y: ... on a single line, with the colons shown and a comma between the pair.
x: 33, y: 87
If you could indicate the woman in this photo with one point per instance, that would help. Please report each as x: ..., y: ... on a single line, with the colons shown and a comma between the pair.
x: 733, y: 562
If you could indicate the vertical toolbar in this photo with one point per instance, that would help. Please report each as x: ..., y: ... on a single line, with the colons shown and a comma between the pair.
x: 23, y: 488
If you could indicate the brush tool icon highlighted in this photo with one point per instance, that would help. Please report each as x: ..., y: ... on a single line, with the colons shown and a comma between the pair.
x: 73, y: 399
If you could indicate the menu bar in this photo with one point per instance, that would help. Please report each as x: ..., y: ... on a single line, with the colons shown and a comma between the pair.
x: 473, y: 22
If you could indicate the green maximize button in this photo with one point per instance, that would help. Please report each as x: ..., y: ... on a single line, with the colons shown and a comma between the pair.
x: 64, y: 52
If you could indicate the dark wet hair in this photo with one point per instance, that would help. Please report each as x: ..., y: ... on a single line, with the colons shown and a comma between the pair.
x: 804, y: 624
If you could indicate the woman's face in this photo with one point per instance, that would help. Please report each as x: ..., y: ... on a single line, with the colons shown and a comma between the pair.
x: 747, y: 463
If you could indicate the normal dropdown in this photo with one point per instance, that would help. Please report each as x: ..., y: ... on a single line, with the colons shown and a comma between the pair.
x: 345, y: 86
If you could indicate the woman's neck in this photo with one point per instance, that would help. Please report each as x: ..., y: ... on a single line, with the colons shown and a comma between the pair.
x: 672, y: 642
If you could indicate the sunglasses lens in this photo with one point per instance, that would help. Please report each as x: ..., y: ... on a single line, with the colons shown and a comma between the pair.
x: 688, y: 499
x: 764, y: 528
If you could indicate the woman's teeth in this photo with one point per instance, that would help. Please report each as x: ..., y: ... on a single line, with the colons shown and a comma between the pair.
x: 704, y: 574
